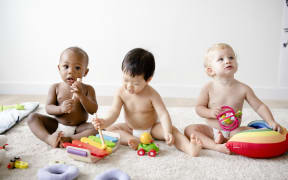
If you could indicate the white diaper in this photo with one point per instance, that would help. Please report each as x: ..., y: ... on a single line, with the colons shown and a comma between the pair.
x: 226, y: 134
x: 137, y: 133
x: 68, y: 131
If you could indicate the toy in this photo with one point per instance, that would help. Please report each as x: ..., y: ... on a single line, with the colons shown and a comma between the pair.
x: 16, y: 163
x: 147, y: 145
x: 3, y: 140
x: 88, y: 150
x: 17, y: 107
x: 259, y: 143
x: 113, y: 174
x: 228, y: 120
x: 58, y: 172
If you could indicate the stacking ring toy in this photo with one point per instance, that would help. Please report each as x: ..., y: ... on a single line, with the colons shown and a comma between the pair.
x: 58, y: 172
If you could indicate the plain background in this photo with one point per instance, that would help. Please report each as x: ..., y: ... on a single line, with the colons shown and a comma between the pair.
x: 33, y: 33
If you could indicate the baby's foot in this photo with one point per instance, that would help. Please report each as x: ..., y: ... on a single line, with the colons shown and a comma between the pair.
x: 222, y: 148
x: 63, y: 140
x: 219, y: 139
x: 54, y: 139
x: 133, y: 143
x: 196, y: 145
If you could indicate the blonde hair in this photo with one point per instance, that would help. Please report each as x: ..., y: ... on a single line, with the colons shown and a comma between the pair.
x: 213, y: 48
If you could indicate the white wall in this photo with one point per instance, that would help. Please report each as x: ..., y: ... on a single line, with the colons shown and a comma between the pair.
x: 34, y: 32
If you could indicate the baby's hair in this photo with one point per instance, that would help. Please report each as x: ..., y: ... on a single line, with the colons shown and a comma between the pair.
x: 139, y: 61
x: 212, y: 49
x: 78, y: 51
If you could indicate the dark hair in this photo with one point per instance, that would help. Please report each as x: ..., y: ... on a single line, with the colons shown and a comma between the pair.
x: 137, y: 62
x: 79, y: 52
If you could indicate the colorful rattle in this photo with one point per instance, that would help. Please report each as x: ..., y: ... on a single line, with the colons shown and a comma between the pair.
x: 228, y: 120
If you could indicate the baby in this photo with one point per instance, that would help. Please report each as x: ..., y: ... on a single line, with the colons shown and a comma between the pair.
x: 144, y: 110
x: 69, y: 115
x: 224, y: 90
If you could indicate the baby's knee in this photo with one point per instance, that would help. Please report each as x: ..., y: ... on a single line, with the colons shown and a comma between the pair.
x: 192, y: 128
x: 32, y: 117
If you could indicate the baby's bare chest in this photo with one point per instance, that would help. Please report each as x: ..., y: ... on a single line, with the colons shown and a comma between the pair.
x: 226, y: 97
x: 138, y: 105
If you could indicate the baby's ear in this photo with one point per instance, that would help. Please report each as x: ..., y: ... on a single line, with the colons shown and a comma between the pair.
x: 209, y: 71
x: 58, y: 67
x: 149, y: 79
x: 86, y: 72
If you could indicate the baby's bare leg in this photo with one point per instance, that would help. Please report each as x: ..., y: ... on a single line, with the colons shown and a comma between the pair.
x: 205, y: 134
x: 44, y: 128
x: 126, y: 137
x: 191, y: 147
x: 84, y: 130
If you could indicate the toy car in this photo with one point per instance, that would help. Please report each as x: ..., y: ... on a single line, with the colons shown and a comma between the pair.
x: 147, y: 145
x: 16, y: 163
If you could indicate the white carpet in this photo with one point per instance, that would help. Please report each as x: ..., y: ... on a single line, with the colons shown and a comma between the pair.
x: 170, y: 164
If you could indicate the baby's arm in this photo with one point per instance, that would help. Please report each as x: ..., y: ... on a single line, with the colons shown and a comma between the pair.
x: 163, y: 116
x: 52, y: 107
x: 113, y: 113
x: 202, y: 104
x: 261, y: 109
x: 89, y: 102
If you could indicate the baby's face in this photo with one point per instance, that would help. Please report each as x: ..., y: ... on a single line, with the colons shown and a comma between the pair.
x: 134, y: 85
x: 72, y: 66
x: 223, y: 62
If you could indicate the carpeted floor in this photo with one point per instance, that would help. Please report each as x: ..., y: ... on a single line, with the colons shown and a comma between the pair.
x: 170, y: 164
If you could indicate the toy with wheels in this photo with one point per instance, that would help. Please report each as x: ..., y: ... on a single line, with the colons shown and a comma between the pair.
x: 228, y: 119
x: 259, y: 143
x: 147, y: 145
x: 17, y: 163
x: 90, y: 149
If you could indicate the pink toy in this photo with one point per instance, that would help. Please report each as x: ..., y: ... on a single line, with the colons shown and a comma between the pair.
x: 228, y: 120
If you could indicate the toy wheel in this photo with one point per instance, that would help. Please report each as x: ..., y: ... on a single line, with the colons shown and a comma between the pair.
x: 152, y: 153
x: 141, y: 152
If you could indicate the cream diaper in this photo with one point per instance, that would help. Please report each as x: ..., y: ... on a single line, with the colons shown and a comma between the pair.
x: 68, y: 131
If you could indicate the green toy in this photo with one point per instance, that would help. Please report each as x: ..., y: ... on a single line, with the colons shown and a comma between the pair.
x: 17, y: 107
x: 98, y: 140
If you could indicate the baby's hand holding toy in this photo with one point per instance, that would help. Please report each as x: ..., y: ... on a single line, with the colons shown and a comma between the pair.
x: 98, y: 123
x: 77, y: 89
x: 215, y: 111
x: 275, y: 126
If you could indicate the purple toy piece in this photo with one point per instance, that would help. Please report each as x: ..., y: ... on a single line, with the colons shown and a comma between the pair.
x: 113, y: 174
x: 77, y: 152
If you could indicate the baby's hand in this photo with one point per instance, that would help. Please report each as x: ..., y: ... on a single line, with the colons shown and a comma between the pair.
x: 169, y: 138
x: 215, y: 111
x: 98, y: 123
x: 276, y: 127
x: 66, y: 106
x: 77, y: 88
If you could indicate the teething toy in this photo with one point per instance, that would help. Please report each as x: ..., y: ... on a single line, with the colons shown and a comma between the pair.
x: 228, y: 120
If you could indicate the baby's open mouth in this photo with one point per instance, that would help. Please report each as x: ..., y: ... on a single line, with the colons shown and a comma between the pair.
x: 70, y: 80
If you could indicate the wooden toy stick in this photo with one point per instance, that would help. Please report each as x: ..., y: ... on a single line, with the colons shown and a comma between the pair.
x: 101, y: 137
x: 79, y: 80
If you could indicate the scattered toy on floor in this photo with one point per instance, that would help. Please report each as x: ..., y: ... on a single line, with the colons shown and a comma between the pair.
x: 90, y: 149
x: 17, y: 163
x: 113, y: 174
x: 147, y: 145
x: 3, y: 141
x: 259, y: 143
x: 58, y: 172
